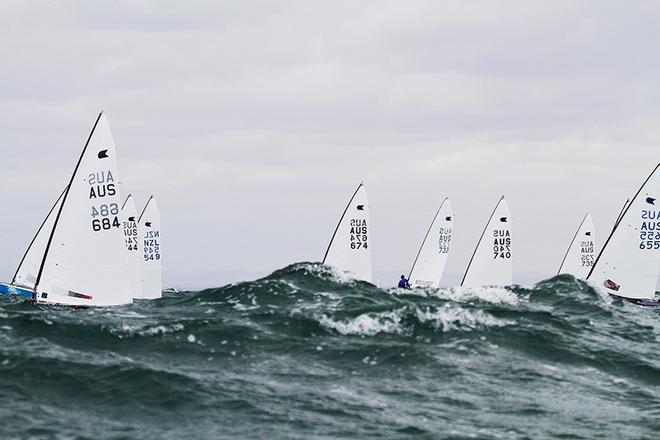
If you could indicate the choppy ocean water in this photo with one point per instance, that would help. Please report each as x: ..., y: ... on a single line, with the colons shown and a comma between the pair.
x: 305, y: 353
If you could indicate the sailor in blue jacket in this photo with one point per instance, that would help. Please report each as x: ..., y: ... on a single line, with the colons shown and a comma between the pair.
x: 403, y: 283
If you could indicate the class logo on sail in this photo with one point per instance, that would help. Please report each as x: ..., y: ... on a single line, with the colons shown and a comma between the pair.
x: 650, y: 201
x: 103, y: 154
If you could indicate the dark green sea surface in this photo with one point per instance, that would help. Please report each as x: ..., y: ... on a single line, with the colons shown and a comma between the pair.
x: 305, y: 354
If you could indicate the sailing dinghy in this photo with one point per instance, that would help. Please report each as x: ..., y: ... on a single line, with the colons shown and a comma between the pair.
x: 431, y: 258
x: 150, y: 251
x: 349, y: 249
x: 627, y: 265
x: 84, y: 261
x: 491, y: 263
x: 132, y: 241
x: 581, y: 253
x: 26, y: 274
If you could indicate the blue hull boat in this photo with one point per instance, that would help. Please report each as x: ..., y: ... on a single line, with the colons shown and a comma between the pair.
x: 8, y: 289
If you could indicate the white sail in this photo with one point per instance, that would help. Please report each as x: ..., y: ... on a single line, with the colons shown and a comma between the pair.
x: 85, y: 260
x: 28, y: 269
x: 430, y: 261
x: 133, y: 244
x: 627, y: 265
x: 151, y: 252
x: 581, y: 253
x: 491, y: 264
x: 350, y: 248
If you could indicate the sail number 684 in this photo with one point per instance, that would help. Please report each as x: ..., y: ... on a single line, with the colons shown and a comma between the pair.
x: 104, y: 223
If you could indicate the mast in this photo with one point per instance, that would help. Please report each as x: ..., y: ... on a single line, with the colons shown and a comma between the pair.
x: 623, y: 214
x: 13, y: 280
x: 481, y: 238
x: 59, y: 212
x: 145, y: 207
x: 340, y: 220
x: 570, y: 246
x: 623, y: 208
x: 130, y: 196
x: 425, y: 238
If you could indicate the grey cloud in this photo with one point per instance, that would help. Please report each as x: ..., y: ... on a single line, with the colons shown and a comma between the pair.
x: 253, y: 121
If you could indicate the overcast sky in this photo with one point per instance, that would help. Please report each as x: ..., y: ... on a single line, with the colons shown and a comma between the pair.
x: 254, y: 121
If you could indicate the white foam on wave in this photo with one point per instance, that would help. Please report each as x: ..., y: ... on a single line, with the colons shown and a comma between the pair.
x: 147, y: 330
x: 322, y: 301
x: 368, y: 324
x: 130, y: 314
x: 340, y: 276
x: 288, y: 284
x: 239, y: 306
x: 457, y: 318
x: 445, y: 319
x: 492, y: 294
x: 602, y: 294
x: 322, y: 270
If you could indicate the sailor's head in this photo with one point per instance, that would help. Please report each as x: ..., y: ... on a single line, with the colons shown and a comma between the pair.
x: 403, y: 277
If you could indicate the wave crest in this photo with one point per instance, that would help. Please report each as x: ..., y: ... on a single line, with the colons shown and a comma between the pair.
x: 406, y: 320
x: 492, y: 294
